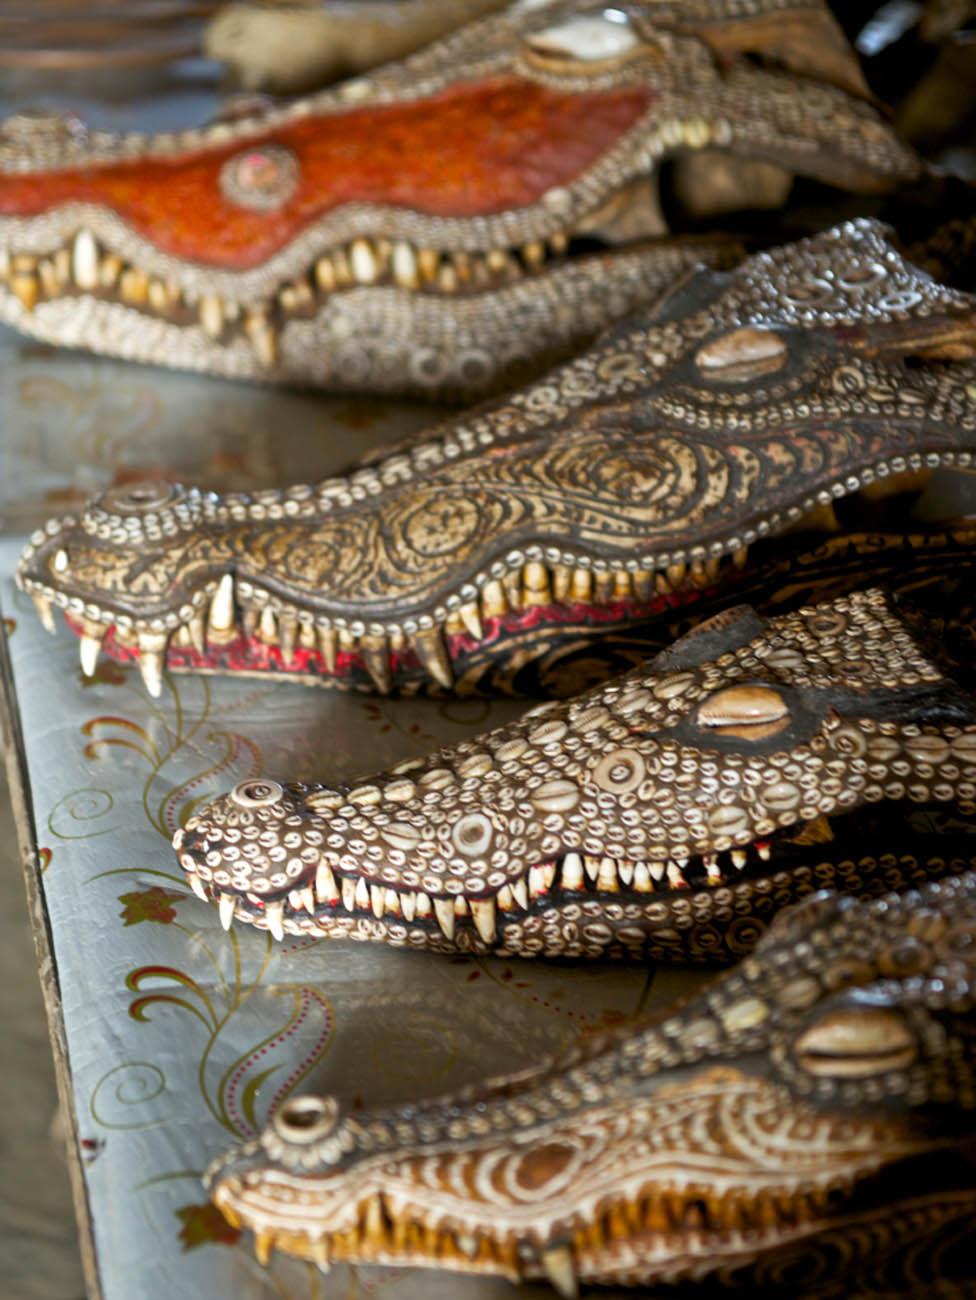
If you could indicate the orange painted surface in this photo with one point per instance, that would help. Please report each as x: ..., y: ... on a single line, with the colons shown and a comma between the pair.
x: 473, y: 149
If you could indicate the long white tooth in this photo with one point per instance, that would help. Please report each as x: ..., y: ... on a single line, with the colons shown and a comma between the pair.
x: 461, y: 906
x: 45, y: 611
x: 675, y: 876
x: 561, y: 1271
x: 325, y: 885
x: 549, y: 870
x: 607, y: 877
x: 537, y: 881
x: 377, y: 900
x: 592, y: 866
x: 739, y: 858
x: 308, y: 899
x: 506, y: 900
x: 521, y: 894
x: 88, y: 649
x: 197, y: 628
x: 348, y: 893
x: 658, y: 869
x: 408, y: 904
x: 391, y: 901
x: 84, y: 260
x: 483, y: 915
x: 444, y: 910
x: 625, y: 870
x: 573, y: 872
x: 221, y: 618
x: 151, y: 668
x: 362, y: 261
x: 295, y: 900
x: 275, y: 914
x: 404, y: 264
x: 472, y: 619
x: 362, y: 893
x: 227, y: 905
x: 423, y: 905
x: 196, y: 884
x: 642, y: 879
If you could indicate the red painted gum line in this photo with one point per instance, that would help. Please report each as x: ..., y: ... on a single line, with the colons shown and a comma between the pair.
x: 472, y: 149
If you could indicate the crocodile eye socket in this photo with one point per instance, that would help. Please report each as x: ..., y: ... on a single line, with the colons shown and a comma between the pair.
x: 856, y: 1043
x: 306, y: 1119
x: 585, y: 41
x: 748, y: 712
x: 257, y: 794
x: 140, y: 498
x: 741, y: 354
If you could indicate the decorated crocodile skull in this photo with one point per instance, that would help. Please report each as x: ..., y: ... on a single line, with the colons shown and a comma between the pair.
x: 446, y: 223
x: 670, y: 812
x: 799, y: 1118
x: 625, y: 485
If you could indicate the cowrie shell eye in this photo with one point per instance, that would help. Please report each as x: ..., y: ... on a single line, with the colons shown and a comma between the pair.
x: 591, y: 38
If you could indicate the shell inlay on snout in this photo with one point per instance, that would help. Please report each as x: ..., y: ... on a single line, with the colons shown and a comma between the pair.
x: 750, y: 712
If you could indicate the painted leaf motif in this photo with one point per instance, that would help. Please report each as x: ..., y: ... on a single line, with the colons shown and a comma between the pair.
x: 204, y: 1223
x: 154, y: 904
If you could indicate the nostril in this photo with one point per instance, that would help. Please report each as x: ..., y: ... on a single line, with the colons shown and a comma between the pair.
x: 257, y: 793
x: 306, y: 1119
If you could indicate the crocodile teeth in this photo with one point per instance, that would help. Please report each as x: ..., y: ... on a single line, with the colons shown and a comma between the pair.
x: 607, y: 877
x: 675, y: 876
x: 375, y: 655
x: 444, y: 911
x: 263, y: 1245
x: 196, y: 884
x: 423, y: 905
x: 89, y: 646
x: 506, y: 900
x: 472, y: 619
x: 520, y: 894
x: 573, y: 871
x: 227, y: 905
x: 658, y: 869
x: 275, y: 915
x: 212, y: 315
x: 739, y: 858
x: 404, y: 266
x: 557, y: 1262
x: 712, y: 868
x: 362, y: 262
x: 348, y: 893
x: 263, y: 337
x: 27, y: 288
x: 763, y: 849
x: 307, y: 895
x: 152, y: 652
x: 329, y: 647
x: 592, y: 866
x: 45, y: 611
x: 537, y: 881
x: 483, y: 915
x: 325, y: 885
x: 642, y: 879
x: 288, y: 635
x: 362, y: 893
x: 84, y: 260
x: 377, y: 900
x: 429, y: 646
x: 221, y: 616
x: 408, y: 904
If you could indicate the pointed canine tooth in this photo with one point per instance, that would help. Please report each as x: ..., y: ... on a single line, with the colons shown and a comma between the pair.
x: 642, y: 879
x: 607, y: 878
x: 405, y: 270
x: 432, y: 654
x: 45, y: 611
x: 377, y: 900
x: 152, y: 653
x: 196, y: 884
x: 197, y: 629
x: 391, y: 901
x: 269, y: 625
x: 739, y: 858
x: 592, y: 866
x: 329, y: 647
x: 444, y: 911
x: 263, y: 1244
x: 363, y: 262
x: 89, y: 646
x: 561, y: 1271
x: 461, y: 906
x: 325, y: 885
x: 658, y: 869
x: 227, y: 905
x: 348, y: 893
x: 521, y: 894
x: 506, y: 900
x: 263, y: 337
x: 537, y: 881
x: 676, y: 877
x: 84, y: 260
x: 423, y: 905
x: 325, y: 275
x: 221, y: 615
x: 375, y: 654
x: 483, y: 915
x: 26, y: 286
x: 472, y: 619
x: 308, y: 899
x: 763, y: 849
x: 625, y: 870
x: 573, y: 872
x: 295, y: 900
x: 275, y: 916
x: 408, y: 904
x: 212, y: 315
x: 362, y: 893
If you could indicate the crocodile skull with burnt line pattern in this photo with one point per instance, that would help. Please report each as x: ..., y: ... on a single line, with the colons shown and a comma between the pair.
x: 449, y: 223
x: 621, y: 486
x: 668, y: 813
x: 798, y: 1118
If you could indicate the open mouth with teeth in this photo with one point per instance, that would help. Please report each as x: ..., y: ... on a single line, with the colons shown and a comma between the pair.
x: 792, y: 1114
x: 651, y: 471
x: 669, y: 812
x: 299, y: 243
